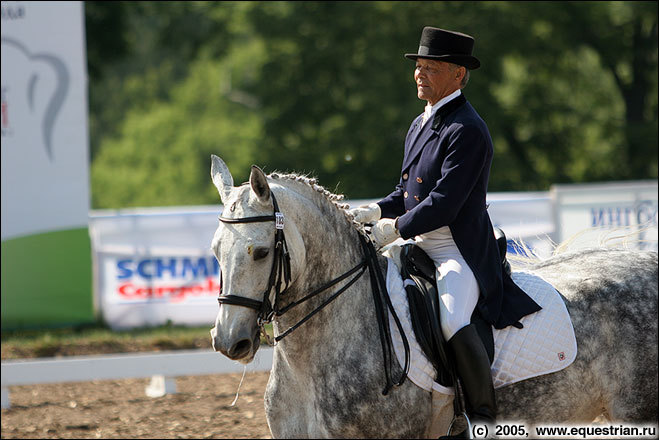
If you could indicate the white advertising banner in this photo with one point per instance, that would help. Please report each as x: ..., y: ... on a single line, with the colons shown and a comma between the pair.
x: 153, y: 266
x: 46, y: 260
x: 45, y: 178
x: 609, y: 214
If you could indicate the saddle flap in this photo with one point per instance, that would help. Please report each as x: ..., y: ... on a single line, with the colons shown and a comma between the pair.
x: 418, y: 273
x: 417, y: 262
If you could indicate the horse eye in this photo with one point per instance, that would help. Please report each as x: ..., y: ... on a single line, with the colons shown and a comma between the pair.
x: 261, y: 253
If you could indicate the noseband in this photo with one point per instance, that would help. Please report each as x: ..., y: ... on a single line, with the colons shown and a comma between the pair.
x: 281, y: 268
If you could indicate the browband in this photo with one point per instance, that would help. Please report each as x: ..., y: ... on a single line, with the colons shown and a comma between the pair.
x: 256, y: 219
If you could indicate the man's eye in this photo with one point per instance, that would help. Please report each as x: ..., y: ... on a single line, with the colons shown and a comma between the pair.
x: 261, y: 253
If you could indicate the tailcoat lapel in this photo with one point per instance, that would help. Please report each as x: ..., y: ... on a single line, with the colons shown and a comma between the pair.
x: 413, y: 134
x: 420, y: 138
x: 416, y: 145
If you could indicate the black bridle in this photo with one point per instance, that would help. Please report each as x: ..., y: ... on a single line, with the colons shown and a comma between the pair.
x: 281, y: 267
x: 281, y: 271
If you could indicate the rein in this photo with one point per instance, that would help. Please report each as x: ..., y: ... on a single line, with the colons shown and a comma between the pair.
x: 281, y: 268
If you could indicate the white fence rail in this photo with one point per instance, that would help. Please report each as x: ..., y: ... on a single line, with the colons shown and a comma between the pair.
x: 162, y: 367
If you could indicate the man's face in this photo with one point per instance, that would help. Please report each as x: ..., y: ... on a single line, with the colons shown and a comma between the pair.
x: 436, y: 79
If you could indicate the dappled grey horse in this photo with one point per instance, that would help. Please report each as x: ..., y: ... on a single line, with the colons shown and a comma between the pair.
x: 328, y: 375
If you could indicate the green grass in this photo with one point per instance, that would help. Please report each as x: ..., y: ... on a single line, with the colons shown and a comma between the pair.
x: 98, y: 339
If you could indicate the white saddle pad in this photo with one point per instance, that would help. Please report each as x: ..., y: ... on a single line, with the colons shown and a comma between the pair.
x: 546, y: 343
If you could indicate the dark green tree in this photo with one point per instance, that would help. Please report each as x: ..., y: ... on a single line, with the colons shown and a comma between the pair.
x: 568, y: 91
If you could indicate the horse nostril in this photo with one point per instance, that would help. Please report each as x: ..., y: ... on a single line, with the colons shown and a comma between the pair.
x: 240, y: 349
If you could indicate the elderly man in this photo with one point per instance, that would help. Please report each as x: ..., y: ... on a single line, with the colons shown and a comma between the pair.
x: 440, y: 202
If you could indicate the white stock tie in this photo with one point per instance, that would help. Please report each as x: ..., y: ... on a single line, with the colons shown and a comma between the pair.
x: 426, y: 114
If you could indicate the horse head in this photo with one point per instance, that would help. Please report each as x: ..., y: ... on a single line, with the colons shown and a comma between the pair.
x: 245, y: 251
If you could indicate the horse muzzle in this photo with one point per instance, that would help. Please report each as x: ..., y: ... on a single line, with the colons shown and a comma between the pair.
x: 239, y: 346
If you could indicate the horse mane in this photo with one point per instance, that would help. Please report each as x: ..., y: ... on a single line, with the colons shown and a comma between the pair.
x: 328, y: 197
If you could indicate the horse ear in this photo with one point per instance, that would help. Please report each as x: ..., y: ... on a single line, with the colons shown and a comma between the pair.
x: 221, y: 177
x: 259, y: 184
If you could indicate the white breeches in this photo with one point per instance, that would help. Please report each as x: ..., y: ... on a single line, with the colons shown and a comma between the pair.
x: 456, y: 285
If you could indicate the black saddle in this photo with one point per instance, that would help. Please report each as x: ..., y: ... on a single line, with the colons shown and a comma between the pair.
x: 423, y: 301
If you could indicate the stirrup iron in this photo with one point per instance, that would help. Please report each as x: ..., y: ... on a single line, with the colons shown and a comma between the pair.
x: 455, y: 417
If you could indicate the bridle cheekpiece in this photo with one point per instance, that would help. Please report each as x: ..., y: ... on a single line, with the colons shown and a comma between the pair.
x: 281, y: 267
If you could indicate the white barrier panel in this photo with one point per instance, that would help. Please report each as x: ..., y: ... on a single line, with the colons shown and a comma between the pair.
x: 525, y: 217
x: 125, y: 366
x: 159, y: 366
x: 620, y: 213
x: 154, y: 265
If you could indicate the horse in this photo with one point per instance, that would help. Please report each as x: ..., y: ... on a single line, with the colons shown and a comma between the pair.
x: 327, y: 376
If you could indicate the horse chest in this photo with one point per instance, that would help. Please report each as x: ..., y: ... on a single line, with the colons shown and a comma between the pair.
x: 319, y: 405
x: 331, y: 405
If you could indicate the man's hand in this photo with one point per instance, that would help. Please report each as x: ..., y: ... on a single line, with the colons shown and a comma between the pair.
x: 384, y: 232
x: 366, y: 213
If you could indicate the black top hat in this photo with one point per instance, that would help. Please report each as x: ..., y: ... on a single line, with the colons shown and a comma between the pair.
x: 449, y: 46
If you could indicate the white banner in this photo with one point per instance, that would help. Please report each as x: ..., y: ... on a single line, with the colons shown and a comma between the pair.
x: 45, y: 178
x: 155, y: 265
x: 609, y: 214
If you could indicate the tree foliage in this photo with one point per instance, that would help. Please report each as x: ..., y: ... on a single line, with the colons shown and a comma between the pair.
x: 568, y: 90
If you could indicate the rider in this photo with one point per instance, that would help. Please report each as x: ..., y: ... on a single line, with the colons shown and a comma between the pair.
x: 440, y: 202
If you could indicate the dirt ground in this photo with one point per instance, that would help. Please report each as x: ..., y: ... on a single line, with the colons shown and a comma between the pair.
x: 201, y: 408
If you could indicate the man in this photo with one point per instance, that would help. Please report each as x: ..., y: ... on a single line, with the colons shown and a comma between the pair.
x: 440, y: 202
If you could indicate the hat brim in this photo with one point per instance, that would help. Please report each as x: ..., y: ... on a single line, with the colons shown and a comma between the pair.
x: 468, y: 61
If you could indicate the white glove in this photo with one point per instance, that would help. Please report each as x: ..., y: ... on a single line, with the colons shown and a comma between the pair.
x: 384, y: 232
x: 366, y: 213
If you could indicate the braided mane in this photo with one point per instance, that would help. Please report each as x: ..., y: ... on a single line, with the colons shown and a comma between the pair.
x: 312, y: 184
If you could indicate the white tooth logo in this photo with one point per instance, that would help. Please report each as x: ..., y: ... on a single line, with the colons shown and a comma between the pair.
x: 57, y: 99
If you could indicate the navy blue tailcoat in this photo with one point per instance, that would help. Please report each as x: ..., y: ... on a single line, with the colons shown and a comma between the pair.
x: 446, y: 167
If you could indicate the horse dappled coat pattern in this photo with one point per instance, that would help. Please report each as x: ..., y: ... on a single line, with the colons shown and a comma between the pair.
x: 327, y: 376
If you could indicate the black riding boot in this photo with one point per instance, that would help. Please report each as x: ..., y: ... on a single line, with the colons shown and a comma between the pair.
x: 473, y: 367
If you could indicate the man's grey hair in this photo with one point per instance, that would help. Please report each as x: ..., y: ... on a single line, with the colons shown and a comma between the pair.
x: 465, y: 79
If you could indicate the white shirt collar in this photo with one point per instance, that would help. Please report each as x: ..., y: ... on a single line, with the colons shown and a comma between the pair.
x: 429, y: 111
